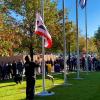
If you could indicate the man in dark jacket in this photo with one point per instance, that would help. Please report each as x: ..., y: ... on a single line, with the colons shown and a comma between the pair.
x: 30, y: 78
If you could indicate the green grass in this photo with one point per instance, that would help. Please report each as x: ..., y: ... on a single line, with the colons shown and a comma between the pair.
x: 86, y: 89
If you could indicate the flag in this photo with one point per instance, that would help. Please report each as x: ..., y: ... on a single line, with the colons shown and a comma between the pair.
x: 82, y: 3
x: 41, y: 30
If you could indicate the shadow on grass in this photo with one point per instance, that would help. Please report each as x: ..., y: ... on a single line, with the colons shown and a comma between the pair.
x: 59, y: 90
x: 7, y: 81
x: 10, y: 80
x: 53, y: 89
x: 46, y: 97
x: 50, y: 90
x: 7, y: 85
x: 55, y: 75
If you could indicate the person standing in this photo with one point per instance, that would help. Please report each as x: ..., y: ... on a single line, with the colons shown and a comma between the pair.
x: 30, y: 78
x: 14, y: 66
x: 20, y: 67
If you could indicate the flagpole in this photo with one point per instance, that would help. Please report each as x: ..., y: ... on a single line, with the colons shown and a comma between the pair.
x: 44, y: 92
x: 86, y: 38
x: 43, y: 50
x: 64, y: 35
x: 77, y: 42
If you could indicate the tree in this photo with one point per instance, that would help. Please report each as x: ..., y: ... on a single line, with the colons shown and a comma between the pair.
x: 8, y: 39
x: 52, y: 19
x: 26, y: 9
x: 97, y: 40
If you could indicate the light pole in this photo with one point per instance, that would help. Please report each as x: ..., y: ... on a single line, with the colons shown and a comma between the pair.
x: 64, y: 36
x: 77, y: 43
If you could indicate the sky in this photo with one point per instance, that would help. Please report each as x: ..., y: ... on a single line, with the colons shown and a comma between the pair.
x: 93, y: 15
x: 16, y: 16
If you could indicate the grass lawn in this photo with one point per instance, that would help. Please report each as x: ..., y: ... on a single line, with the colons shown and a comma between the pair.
x: 86, y: 89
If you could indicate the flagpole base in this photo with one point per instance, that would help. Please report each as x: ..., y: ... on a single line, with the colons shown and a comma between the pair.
x: 45, y: 93
x: 56, y: 84
x: 78, y: 78
x: 64, y: 84
x: 67, y: 84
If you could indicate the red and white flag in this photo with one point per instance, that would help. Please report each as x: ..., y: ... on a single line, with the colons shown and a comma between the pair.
x: 41, y: 30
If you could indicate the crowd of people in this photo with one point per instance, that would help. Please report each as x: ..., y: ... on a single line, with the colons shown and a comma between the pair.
x: 91, y: 63
x: 10, y: 69
x: 29, y: 68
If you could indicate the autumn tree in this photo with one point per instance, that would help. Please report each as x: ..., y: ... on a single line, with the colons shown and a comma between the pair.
x: 52, y: 18
x: 9, y: 39
x: 26, y: 9
x: 97, y: 40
